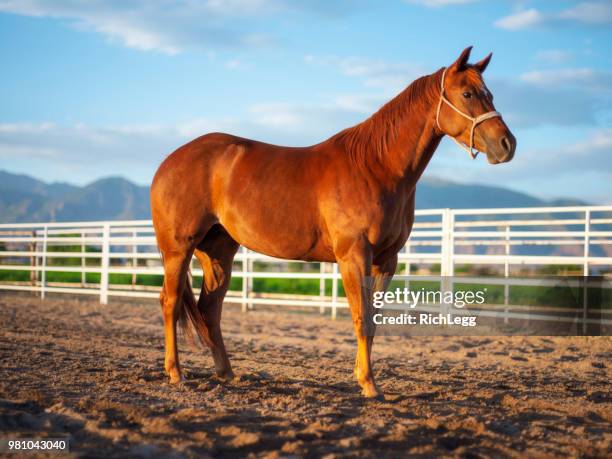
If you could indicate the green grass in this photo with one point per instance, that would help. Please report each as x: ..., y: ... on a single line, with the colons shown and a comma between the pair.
x: 527, y: 295
x: 267, y: 285
x: 518, y: 295
x: 14, y: 276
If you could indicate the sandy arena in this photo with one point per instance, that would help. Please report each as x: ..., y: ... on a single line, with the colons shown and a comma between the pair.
x: 71, y: 367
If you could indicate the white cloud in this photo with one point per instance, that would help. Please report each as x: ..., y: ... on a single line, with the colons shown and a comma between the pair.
x: 360, y: 102
x: 83, y: 153
x: 581, y: 169
x: 374, y: 73
x: 558, y: 76
x: 564, y: 97
x: 79, y: 143
x: 167, y: 27
x: 531, y: 105
x: 380, y: 73
x: 520, y: 20
x: 553, y: 56
x: 136, y: 150
x: 598, y: 143
x: 233, y: 64
x: 139, y: 148
x: 588, y: 13
x: 196, y: 127
x: 584, y: 77
x: 170, y: 26
x: 302, y: 124
x: 556, y: 97
x: 584, y: 13
x: 593, y: 153
x: 278, y: 115
x: 65, y: 152
x: 441, y: 3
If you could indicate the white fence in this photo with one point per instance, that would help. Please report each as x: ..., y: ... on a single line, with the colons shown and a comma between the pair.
x: 576, y: 238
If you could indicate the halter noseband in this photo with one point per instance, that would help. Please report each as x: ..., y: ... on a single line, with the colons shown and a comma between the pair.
x: 475, y: 121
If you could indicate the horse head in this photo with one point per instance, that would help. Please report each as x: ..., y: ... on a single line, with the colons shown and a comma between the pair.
x: 466, y: 112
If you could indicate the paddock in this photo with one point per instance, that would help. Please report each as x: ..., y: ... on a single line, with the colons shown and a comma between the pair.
x: 82, y: 349
x: 73, y: 367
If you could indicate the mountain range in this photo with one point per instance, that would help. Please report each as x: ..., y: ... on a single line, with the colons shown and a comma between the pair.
x: 27, y: 199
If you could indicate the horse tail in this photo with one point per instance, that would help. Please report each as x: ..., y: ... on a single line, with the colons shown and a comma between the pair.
x: 190, y: 316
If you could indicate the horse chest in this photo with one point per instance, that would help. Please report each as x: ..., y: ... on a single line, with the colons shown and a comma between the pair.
x: 392, y: 239
x: 391, y: 232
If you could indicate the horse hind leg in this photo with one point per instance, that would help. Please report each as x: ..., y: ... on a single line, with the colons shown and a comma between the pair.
x: 216, y: 255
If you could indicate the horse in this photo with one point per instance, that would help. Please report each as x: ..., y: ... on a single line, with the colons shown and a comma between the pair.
x: 349, y: 200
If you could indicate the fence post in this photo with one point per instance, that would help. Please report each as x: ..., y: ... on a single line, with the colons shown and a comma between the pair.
x: 83, y: 264
x: 507, y: 275
x: 245, y: 286
x: 407, y: 264
x: 446, y: 242
x: 585, y: 269
x: 407, y: 270
x: 134, y: 258
x: 587, y: 230
x: 33, y: 259
x: 450, y: 253
x: 36, y: 250
x: 43, y: 273
x: 104, y: 264
x: 322, y: 269
x: 446, y: 252
x: 250, y: 264
x: 334, y: 312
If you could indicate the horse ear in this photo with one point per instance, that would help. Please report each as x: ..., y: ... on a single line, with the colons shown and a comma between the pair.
x: 462, y: 60
x: 482, y: 65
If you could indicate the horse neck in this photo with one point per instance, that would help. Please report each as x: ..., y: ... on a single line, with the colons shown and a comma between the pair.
x: 397, y: 142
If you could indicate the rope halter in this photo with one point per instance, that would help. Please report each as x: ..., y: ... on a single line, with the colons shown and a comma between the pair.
x: 475, y: 121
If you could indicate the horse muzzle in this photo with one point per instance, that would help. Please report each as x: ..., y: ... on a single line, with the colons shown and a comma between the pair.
x: 503, y: 150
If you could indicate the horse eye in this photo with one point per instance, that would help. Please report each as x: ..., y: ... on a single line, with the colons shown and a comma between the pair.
x: 467, y: 94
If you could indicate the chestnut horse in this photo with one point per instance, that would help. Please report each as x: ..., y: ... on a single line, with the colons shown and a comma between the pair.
x: 349, y: 200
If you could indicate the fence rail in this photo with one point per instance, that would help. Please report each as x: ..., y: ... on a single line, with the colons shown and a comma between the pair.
x: 579, y: 238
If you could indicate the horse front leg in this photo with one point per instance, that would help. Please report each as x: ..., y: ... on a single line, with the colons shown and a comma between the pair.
x: 176, y: 265
x: 382, y: 274
x: 356, y: 266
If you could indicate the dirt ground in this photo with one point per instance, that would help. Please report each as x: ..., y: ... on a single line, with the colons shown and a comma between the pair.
x: 71, y: 367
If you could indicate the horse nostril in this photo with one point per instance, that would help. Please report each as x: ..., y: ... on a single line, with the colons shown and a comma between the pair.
x: 506, y: 144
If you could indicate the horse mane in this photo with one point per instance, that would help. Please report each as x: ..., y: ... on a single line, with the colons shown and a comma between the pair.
x: 374, y: 135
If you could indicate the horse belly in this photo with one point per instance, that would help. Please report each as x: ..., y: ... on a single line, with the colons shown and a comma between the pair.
x: 274, y: 228
x: 266, y: 200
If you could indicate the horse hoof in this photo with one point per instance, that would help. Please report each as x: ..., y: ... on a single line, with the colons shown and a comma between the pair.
x: 176, y: 379
x: 370, y: 391
x: 226, y: 376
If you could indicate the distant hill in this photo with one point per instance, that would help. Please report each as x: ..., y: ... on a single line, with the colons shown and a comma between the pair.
x: 433, y: 193
x: 26, y: 199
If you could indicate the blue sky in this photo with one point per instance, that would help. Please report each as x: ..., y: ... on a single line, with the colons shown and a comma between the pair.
x: 99, y: 88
